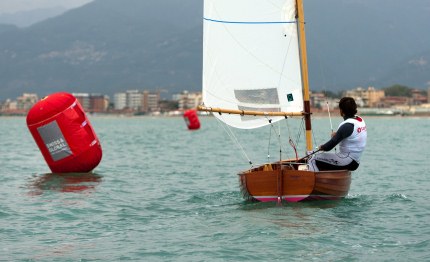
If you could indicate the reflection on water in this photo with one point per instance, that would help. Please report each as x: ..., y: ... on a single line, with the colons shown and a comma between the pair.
x: 296, y: 220
x: 64, y: 182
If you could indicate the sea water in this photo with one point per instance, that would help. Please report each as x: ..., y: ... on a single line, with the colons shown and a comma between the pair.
x: 163, y: 193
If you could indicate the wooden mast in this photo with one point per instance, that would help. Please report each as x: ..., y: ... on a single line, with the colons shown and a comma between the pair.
x: 305, y: 77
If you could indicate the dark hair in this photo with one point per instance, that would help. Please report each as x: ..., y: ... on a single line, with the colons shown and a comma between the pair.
x: 348, y: 106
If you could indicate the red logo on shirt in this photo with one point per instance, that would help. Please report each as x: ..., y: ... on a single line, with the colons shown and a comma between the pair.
x: 361, y: 129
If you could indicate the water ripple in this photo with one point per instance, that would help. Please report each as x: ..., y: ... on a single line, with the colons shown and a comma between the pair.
x: 162, y: 193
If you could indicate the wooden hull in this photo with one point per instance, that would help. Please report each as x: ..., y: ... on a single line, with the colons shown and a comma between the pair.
x: 284, y: 181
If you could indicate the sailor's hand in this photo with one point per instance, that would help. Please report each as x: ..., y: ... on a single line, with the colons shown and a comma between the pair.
x: 333, y: 134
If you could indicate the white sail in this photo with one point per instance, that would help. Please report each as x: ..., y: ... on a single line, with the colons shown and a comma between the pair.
x: 251, y: 59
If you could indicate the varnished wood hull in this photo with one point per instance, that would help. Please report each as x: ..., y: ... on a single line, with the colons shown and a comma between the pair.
x: 276, y: 182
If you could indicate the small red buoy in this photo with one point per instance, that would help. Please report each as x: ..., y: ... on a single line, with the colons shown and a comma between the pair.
x: 64, y: 134
x: 191, y: 119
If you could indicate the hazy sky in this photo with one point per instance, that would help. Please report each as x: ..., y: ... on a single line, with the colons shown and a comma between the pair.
x: 12, y: 6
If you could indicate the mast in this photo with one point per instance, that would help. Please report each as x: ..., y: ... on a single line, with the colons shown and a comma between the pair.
x: 305, y: 77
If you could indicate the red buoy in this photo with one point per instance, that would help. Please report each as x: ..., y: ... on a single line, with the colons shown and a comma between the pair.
x: 64, y: 134
x: 191, y: 119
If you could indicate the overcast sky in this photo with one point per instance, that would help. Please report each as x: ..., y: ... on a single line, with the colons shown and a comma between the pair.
x: 13, y: 6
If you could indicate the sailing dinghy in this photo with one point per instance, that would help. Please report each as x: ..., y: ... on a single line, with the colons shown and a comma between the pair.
x: 255, y: 74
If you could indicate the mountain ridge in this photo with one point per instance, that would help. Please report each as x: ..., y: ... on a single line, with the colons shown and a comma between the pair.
x: 109, y: 46
x: 27, y: 18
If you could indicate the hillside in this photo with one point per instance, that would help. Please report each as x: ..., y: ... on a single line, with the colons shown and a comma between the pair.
x: 27, y: 18
x: 113, y: 45
x: 106, y: 46
x: 359, y: 43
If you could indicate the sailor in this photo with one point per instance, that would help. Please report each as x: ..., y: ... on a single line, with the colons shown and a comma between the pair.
x: 351, y: 137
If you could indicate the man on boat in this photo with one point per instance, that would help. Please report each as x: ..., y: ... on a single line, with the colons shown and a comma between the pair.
x: 351, y: 137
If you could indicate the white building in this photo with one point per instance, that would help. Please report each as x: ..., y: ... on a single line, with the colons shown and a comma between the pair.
x: 84, y: 99
x: 120, y: 101
x: 187, y: 100
x: 141, y: 101
x: 134, y: 99
x: 131, y: 99
x: 8, y: 105
x: 151, y: 101
x: 26, y: 101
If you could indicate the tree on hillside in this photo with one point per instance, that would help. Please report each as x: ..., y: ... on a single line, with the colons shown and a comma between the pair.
x: 398, y: 90
x: 331, y: 94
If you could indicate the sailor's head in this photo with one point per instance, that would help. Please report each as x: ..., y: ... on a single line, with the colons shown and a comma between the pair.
x: 348, y: 106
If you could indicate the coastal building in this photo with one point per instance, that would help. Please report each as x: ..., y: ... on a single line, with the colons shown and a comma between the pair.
x: 369, y: 97
x: 373, y: 96
x: 20, y: 106
x: 26, y: 101
x: 151, y: 101
x: 137, y: 101
x: 394, y: 101
x: 83, y: 99
x: 134, y: 100
x: 317, y: 99
x: 99, y: 103
x: 428, y: 94
x: 418, y: 97
x: 92, y: 103
x: 8, y: 105
x: 120, y: 101
x: 188, y: 100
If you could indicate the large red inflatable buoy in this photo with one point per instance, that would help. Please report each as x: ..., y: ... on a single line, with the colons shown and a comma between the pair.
x: 64, y: 134
x: 191, y: 119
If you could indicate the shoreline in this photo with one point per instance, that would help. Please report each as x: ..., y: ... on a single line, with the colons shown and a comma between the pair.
x: 314, y: 114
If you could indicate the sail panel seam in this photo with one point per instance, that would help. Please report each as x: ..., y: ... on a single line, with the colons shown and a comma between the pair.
x: 249, y: 22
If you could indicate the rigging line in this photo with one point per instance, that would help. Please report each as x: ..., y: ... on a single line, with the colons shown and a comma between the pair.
x: 281, y: 149
x: 314, y: 139
x: 329, y: 116
x: 232, y: 136
x: 291, y: 141
x: 289, y: 135
x: 331, y: 123
x: 301, y: 129
x: 280, y: 143
x: 299, y: 132
x: 268, y: 146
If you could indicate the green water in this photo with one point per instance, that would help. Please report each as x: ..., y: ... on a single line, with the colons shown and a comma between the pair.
x: 162, y: 193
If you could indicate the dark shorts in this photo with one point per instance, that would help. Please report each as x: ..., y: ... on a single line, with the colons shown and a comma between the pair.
x: 327, y: 166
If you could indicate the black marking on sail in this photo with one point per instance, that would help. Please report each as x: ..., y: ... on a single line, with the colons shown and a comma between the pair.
x: 258, y: 96
x: 268, y: 99
x: 290, y: 97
